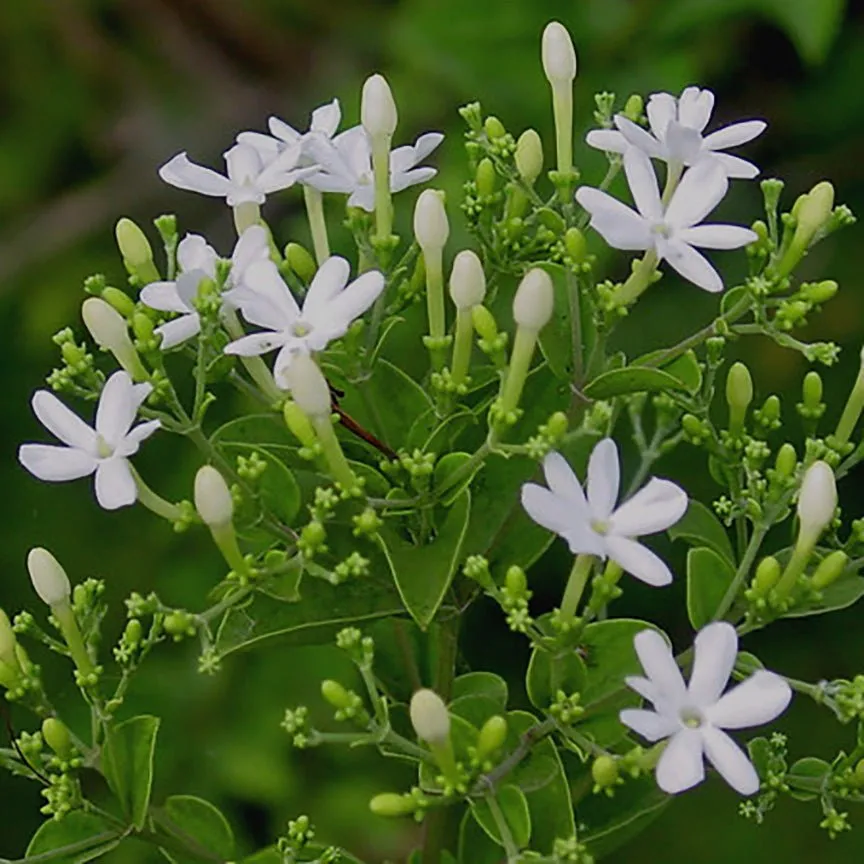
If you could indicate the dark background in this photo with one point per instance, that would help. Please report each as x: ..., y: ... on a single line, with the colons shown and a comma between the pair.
x: 95, y: 94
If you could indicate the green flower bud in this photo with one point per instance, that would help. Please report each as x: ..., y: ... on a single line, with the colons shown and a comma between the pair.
x: 133, y: 633
x: 787, y: 460
x: 515, y: 581
x: 298, y: 423
x: 859, y: 773
x: 484, y: 323
x: 761, y: 229
x: 813, y: 212
x: 767, y: 576
x: 8, y: 641
x: 829, y: 570
x: 485, y: 178
x: 633, y: 107
x: 574, y: 244
x: 133, y: 244
x: 494, y: 128
x: 300, y: 262
x: 391, y: 804
x: 142, y: 326
x: 313, y: 533
x: 492, y: 736
x: 556, y: 425
x: 9, y: 677
x: 121, y: 301
x: 336, y: 694
x: 57, y: 737
x: 529, y: 156
x: 820, y: 292
x: 770, y: 411
x: 604, y: 771
x: 739, y: 395
x: 812, y: 390
x: 429, y: 717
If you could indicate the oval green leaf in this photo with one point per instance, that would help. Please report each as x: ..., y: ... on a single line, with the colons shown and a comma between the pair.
x: 512, y: 808
x: 127, y: 763
x: 200, y: 826
x: 75, y: 839
x: 700, y: 527
x: 709, y: 576
x: 631, y: 379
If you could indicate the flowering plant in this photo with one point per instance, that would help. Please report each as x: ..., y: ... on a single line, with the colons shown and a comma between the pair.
x: 388, y: 469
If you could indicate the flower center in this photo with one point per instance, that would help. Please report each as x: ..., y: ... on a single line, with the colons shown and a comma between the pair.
x: 599, y: 527
x: 301, y: 328
x: 103, y: 448
x: 662, y: 229
x: 691, y: 717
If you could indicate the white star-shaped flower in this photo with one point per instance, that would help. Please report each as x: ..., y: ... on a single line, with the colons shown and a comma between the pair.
x: 672, y: 233
x: 249, y: 179
x: 346, y: 165
x: 196, y: 260
x: 676, y: 133
x: 593, y: 525
x: 103, y: 450
x: 329, y: 308
x: 694, y: 716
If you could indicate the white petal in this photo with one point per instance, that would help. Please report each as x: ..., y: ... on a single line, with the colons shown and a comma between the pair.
x: 326, y: 119
x: 331, y: 278
x: 715, y: 648
x: 252, y: 246
x: 637, y: 137
x: 115, y: 486
x: 695, y: 107
x: 604, y: 477
x: 404, y: 179
x: 195, y: 253
x: 187, y: 285
x: 565, y: 484
x: 183, y: 174
x: 162, y: 296
x: 701, y: 189
x: 619, y: 225
x: 737, y: 133
x: 363, y: 197
x: 274, y: 306
x: 284, y: 358
x: 729, y: 759
x: 735, y: 167
x: 62, y: 422
x: 351, y: 303
x: 680, y: 766
x: 546, y: 508
x: 656, y: 506
x: 116, y: 410
x: 759, y: 699
x: 176, y: 332
x: 662, y: 108
x: 638, y: 561
x: 609, y: 140
x: 693, y: 266
x: 140, y: 433
x: 48, y: 462
x: 281, y: 130
x: 683, y: 144
x: 659, y: 664
x: 643, y: 686
x: 717, y: 236
x: 266, y: 145
x: 643, y: 184
x: 426, y: 143
x: 256, y: 343
x: 649, y: 724
x: 244, y: 164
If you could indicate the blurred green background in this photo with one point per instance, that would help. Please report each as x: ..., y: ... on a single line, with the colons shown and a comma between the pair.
x: 95, y: 94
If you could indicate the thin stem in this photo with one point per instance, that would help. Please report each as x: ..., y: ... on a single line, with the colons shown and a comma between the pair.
x: 562, y: 108
x: 255, y: 366
x: 575, y: 586
x: 336, y: 461
x: 462, y: 344
x: 506, y: 835
x: 314, y: 201
x: 743, y: 570
x: 575, y: 327
x: 72, y: 635
x: 383, y: 200
x: 153, y: 502
x: 517, y: 371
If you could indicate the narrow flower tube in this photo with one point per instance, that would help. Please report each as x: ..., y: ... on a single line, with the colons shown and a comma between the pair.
x: 852, y: 411
x: 559, y: 64
x: 379, y: 117
x: 216, y: 508
x: 110, y: 332
x: 811, y: 212
x: 467, y: 290
x: 431, y: 230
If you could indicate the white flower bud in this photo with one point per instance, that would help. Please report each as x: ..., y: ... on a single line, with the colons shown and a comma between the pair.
x: 430, y: 221
x: 106, y: 325
x: 308, y: 386
x: 48, y: 577
x: 213, y: 498
x: 377, y: 108
x: 559, y: 56
x: 133, y: 243
x: 817, y: 500
x: 467, y: 280
x: 534, y: 300
x: 429, y: 717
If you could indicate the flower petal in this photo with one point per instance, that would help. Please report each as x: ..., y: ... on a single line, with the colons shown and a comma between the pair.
x: 266, y: 145
x: 56, y: 464
x: 256, y: 343
x: 729, y: 759
x: 735, y: 167
x: 732, y: 136
x: 179, y: 330
x: 116, y: 410
x: 681, y: 766
x: 140, y: 433
x: 604, y: 478
x: 115, y: 486
x: 284, y: 358
x: 363, y: 197
x: 270, y: 302
x: 715, y: 649
x: 717, y: 236
x: 643, y: 184
x: 63, y: 422
x: 195, y: 253
x: 643, y: 686
x: 649, y: 724
x: 659, y: 664
x: 759, y: 699
x: 404, y: 179
x: 426, y: 143
x: 609, y: 140
x: 619, y: 225
x: 326, y: 118
x: 636, y: 136
x: 564, y: 483
x: 183, y: 174
x: 252, y: 246
x: 701, y: 189
x: 330, y: 278
x: 162, y: 296
x: 683, y: 144
x: 656, y: 506
x: 187, y: 287
x: 693, y: 266
x: 638, y: 561
x: 695, y: 107
x: 351, y: 303
x: 546, y: 508
x: 281, y: 130
x: 662, y: 108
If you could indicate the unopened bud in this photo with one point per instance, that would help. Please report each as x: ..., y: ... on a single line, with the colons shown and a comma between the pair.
x: 121, y: 301
x: 604, y: 771
x: 467, y: 280
x: 133, y: 244
x: 336, y: 694
x: 739, y: 395
x: 817, y: 500
x: 787, y: 460
x: 820, y: 292
x: 493, y: 128
x: 377, y: 108
x: 529, y: 156
x: 213, y: 498
x: 633, y: 107
x: 8, y: 642
x: 492, y: 736
x: 48, y: 577
x: 770, y: 410
x: 142, y: 326
x: 813, y: 212
x: 56, y: 736
x: 106, y: 325
x: 534, y: 300
x: 485, y: 177
x: 431, y: 228
x: 812, y: 390
x: 429, y: 717
x: 308, y: 386
x: 300, y: 261
x: 515, y: 581
x: 830, y: 569
x: 484, y: 323
x: 767, y: 575
x: 574, y: 244
x: 391, y: 804
x: 559, y: 56
x: 298, y: 423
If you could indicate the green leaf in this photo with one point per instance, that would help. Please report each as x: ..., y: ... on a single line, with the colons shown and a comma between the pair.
x: 548, y: 673
x: 839, y: 595
x: 812, y: 25
x: 700, y: 527
x: 685, y: 367
x: 709, y: 576
x: 448, y: 465
x: 198, y: 825
x: 475, y: 845
x: 486, y: 684
x: 732, y: 298
x: 76, y: 838
x: 127, y: 763
x: 513, y: 808
x: 807, y: 778
x: 264, y: 430
x: 424, y: 573
x: 631, y: 379
x: 556, y: 338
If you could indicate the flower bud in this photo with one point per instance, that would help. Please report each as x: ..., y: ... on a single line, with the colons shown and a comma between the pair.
x: 574, y: 245
x: 492, y: 736
x: 633, y: 107
x: 830, y: 569
x: 529, y: 156
x: 787, y: 460
x: 56, y: 736
x: 142, y: 326
x: 392, y: 804
x: 559, y: 56
x: 767, y: 576
x: 534, y: 300
x: 300, y: 261
x: 493, y: 128
x: 48, y: 577
x: 813, y: 212
x: 106, y: 325
x: 484, y: 323
x: 429, y: 717
x: 430, y: 221
x: 604, y: 771
x: 817, y: 500
x: 515, y: 581
x: 133, y: 244
x: 336, y: 694
x: 377, y: 108
x: 820, y: 292
x: 7, y: 642
x: 485, y: 177
x: 121, y: 301
x: 213, y: 498
x: 467, y: 280
x: 308, y: 386
x: 739, y: 395
x: 812, y: 390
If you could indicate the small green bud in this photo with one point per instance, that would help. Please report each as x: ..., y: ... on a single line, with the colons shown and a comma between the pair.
x: 633, y: 107
x: 812, y: 390
x: 761, y: 230
x: 121, y: 301
x: 574, y: 244
x: 813, y: 212
x: 739, y: 395
x: 829, y: 570
x: 820, y: 292
x: 515, y: 581
x: 57, y: 737
x: 142, y: 326
x: 133, y: 633
x: 366, y: 522
x: 178, y: 624
x: 767, y: 576
x: 692, y: 425
x: 492, y: 736
x: 8, y: 642
x: 787, y: 460
x: 494, y: 128
x: 529, y: 156
x: 604, y: 771
x: 391, y: 804
x: 770, y: 411
x: 300, y: 261
x: 314, y: 533
x: 133, y: 244
x: 484, y: 323
x: 859, y: 772
x: 336, y: 694
x: 556, y: 425
x: 485, y: 177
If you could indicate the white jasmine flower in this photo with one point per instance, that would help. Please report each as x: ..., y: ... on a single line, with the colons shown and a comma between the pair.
x: 196, y: 260
x: 694, y: 716
x: 103, y: 450
x: 672, y: 233
x: 676, y: 133
x: 346, y: 165
x: 249, y: 179
x: 329, y: 308
x: 593, y: 525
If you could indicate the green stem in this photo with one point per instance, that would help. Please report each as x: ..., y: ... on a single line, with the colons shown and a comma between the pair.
x: 153, y: 502
x: 72, y: 635
x: 638, y: 281
x: 338, y: 464
x: 852, y: 411
x: 575, y: 586
x: 462, y: 344
x: 226, y: 540
x: 434, y: 264
x: 575, y: 308
x: 255, y: 366
x: 562, y: 108
x: 517, y: 372
x: 795, y: 566
x: 383, y: 200
x: 314, y: 201
x: 743, y: 570
x: 506, y: 835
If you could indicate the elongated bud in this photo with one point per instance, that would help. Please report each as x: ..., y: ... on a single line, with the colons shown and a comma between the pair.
x: 308, y: 386
x: 430, y: 221
x: 298, y: 423
x: 529, y: 156
x: 486, y: 177
x: 787, y: 460
x: 392, y: 804
x: 122, y: 302
x: 48, y: 577
x: 811, y: 390
x: 492, y: 736
x: 57, y: 737
x: 813, y: 212
x: 136, y: 251
x: 559, y: 56
x: 467, y: 280
x: 213, y: 498
x: 300, y: 261
x: 515, y: 581
x: 484, y: 323
x: 574, y: 244
x: 830, y: 569
x: 739, y: 395
x: 633, y: 107
x: 604, y: 772
x: 767, y: 576
x: 111, y: 333
x: 429, y: 717
x: 377, y: 109
x: 534, y: 300
x: 8, y: 642
x: 820, y: 292
x: 817, y: 500
x: 336, y: 694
